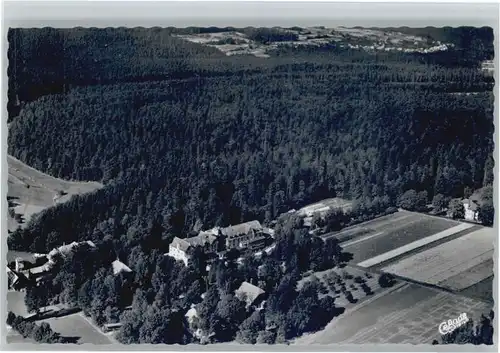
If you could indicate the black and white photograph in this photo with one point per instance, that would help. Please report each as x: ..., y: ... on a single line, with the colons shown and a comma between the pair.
x: 234, y: 184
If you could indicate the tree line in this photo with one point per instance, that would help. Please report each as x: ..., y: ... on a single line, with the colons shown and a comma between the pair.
x: 50, y: 61
x: 251, y: 146
x: 39, y: 333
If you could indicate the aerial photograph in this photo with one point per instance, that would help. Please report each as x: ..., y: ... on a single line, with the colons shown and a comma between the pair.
x: 250, y: 185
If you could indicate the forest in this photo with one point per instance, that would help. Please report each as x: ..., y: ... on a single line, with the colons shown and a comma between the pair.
x: 185, y: 138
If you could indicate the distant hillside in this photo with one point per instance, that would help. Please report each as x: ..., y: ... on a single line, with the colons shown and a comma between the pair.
x: 47, y: 60
x: 478, y: 42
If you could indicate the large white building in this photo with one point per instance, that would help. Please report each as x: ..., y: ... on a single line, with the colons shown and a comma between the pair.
x: 179, y: 248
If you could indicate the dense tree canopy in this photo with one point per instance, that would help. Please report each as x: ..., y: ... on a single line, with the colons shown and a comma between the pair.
x: 185, y: 138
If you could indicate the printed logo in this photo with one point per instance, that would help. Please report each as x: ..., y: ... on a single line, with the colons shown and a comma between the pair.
x: 452, y: 324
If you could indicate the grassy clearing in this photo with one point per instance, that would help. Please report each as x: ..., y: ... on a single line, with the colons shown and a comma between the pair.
x: 414, y: 245
x: 456, y: 264
x: 482, y: 290
x: 75, y: 326
x: 31, y: 191
x: 395, y: 233
x: 408, y: 315
x: 474, y: 275
x: 15, y: 303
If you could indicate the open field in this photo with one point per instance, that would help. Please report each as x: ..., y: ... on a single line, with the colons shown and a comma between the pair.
x: 32, y: 191
x: 15, y: 337
x: 407, y: 314
x: 473, y: 275
x: 394, y: 231
x: 414, y: 245
x: 12, y: 255
x: 370, y: 228
x: 15, y: 303
x: 76, y: 326
x: 456, y: 264
x: 70, y: 326
x: 481, y: 290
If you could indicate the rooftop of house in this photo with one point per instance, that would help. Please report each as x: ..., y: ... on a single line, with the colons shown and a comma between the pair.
x: 201, y: 239
x: 191, y: 313
x: 11, y: 274
x: 214, y: 231
x: 180, y: 244
x: 248, y: 292
x: 186, y: 243
x: 119, y: 267
x: 66, y: 249
x: 472, y: 203
x: 14, y: 276
x: 40, y: 269
x: 325, y: 205
x: 243, y: 228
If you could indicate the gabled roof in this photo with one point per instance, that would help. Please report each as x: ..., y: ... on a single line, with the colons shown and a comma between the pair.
x: 242, y: 228
x: 201, y: 239
x: 248, y: 292
x: 11, y: 275
x: 181, y: 244
x: 14, y: 276
x: 66, y: 249
x: 191, y: 314
x: 40, y: 269
x: 214, y: 231
x: 119, y: 267
x: 472, y: 203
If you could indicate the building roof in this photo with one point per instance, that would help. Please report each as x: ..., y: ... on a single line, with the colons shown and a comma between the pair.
x: 181, y: 244
x: 119, y: 267
x: 66, y: 249
x: 325, y: 205
x: 14, y: 276
x: 473, y: 204
x: 248, y: 292
x: 199, y: 240
x: 243, y: 228
x: 11, y: 275
x: 191, y: 314
x: 214, y: 231
x: 40, y: 269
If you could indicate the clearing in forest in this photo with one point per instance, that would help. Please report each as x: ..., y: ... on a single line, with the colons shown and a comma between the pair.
x: 374, y: 238
x: 456, y: 264
x: 31, y: 191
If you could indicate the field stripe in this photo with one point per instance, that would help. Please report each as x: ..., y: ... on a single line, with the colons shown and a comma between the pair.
x: 472, y: 276
x: 352, y: 242
x: 416, y: 244
x: 442, y: 262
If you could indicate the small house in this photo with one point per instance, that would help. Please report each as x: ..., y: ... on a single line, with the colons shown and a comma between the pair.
x: 16, y: 280
x: 120, y: 267
x: 252, y: 295
x: 471, y: 207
